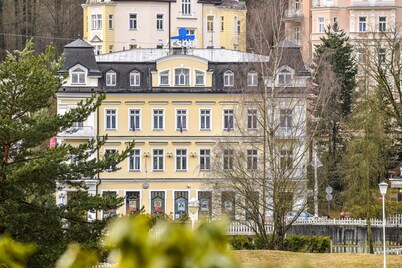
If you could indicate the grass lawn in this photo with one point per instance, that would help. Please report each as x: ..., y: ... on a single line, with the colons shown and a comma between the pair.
x: 284, y: 259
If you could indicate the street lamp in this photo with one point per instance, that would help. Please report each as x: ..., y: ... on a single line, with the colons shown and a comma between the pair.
x: 193, y: 206
x: 383, y: 190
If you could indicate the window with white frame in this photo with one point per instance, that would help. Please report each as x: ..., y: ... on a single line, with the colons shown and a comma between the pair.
x: 132, y: 202
x: 182, y: 77
x: 110, y: 21
x: 157, y: 159
x: 97, y: 49
x: 205, y: 159
x: 158, y: 119
x: 285, y: 118
x: 108, y: 155
x: 159, y: 22
x: 284, y: 78
x: 297, y: 5
x: 228, y: 119
x: 252, y: 79
x: 199, y: 78
x: 321, y: 24
x: 252, y: 119
x: 111, y: 78
x: 210, y: 23
x: 228, y: 204
x: 181, y: 120
x: 135, y: 119
x: 205, y: 119
x: 228, y: 79
x: 382, y: 24
x: 96, y: 22
x: 135, y: 79
x: 252, y: 157
x: 181, y: 159
x: 133, y: 25
x: 77, y: 76
x: 186, y: 7
x: 164, y: 78
x: 134, y: 160
x: 228, y: 158
x: 362, y: 24
x: 285, y: 159
x: 297, y: 35
x: 111, y: 119
x: 381, y: 55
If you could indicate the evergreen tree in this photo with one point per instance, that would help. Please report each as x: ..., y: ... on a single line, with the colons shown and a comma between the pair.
x: 334, y: 77
x: 29, y: 171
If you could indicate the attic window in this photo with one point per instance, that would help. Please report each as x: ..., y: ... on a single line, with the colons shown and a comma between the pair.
x: 111, y: 78
x: 78, y: 76
x: 284, y: 78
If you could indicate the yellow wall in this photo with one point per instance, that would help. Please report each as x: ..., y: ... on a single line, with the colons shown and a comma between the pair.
x: 227, y: 36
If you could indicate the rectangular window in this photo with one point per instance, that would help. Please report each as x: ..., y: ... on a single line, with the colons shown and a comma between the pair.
x: 205, y: 159
x: 252, y: 79
x: 210, y: 23
x: 285, y: 118
x: 181, y: 120
x: 135, y: 79
x: 164, y: 78
x: 159, y: 22
x: 111, y: 119
x: 228, y: 119
x: 135, y: 119
x: 381, y: 55
x: 78, y: 76
x: 181, y: 159
x: 110, y: 21
x: 96, y: 22
x: 110, y: 79
x: 285, y: 160
x: 186, y: 7
x: 111, y: 212
x: 252, y: 204
x: 157, y: 202
x: 362, y: 24
x: 108, y: 153
x: 180, y: 204
x: 297, y: 36
x: 199, y: 78
x: 382, y: 24
x: 235, y: 28
x: 252, y: 156
x: 222, y: 23
x: 228, y: 159
x: 297, y: 5
x: 205, y: 119
x: 158, y: 119
x: 228, y: 79
x: 228, y: 204
x: 252, y: 119
x: 134, y: 160
x: 182, y: 77
x: 321, y: 25
x: 133, y: 22
x: 238, y: 27
x: 132, y: 202
x: 157, y: 159
x: 205, y: 201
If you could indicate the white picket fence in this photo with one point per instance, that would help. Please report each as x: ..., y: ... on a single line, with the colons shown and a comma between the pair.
x: 392, y: 221
x: 392, y: 248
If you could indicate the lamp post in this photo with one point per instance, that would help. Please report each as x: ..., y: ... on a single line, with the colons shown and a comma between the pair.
x: 316, y: 163
x: 383, y: 190
x: 193, y: 206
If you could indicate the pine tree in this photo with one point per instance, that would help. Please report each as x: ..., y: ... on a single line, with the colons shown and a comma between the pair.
x: 334, y: 76
x: 29, y: 171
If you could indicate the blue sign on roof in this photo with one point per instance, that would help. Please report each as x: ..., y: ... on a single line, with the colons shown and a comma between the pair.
x: 183, y: 39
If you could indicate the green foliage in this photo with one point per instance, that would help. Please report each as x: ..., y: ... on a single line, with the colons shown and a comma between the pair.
x: 171, y: 245
x: 30, y: 172
x: 14, y: 254
x: 77, y: 257
x: 242, y: 242
x: 312, y: 244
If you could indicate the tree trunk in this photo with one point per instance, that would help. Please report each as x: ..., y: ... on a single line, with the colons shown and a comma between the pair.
x: 369, y: 237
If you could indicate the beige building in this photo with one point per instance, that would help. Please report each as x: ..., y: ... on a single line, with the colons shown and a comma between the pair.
x: 115, y: 25
x: 307, y: 19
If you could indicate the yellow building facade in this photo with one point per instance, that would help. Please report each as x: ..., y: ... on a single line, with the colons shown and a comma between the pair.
x: 121, y: 25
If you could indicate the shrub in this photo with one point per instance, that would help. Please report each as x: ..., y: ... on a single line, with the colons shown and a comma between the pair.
x: 312, y: 244
x: 242, y: 242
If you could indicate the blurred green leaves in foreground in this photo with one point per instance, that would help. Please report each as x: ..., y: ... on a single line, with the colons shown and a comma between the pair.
x: 131, y: 244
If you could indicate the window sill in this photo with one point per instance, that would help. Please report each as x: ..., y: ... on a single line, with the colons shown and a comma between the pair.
x: 184, y: 129
x: 205, y: 170
x: 134, y: 170
x: 206, y: 129
x: 158, y: 171
x: 132, y: 29
x: 158, y: 129
x: 136, y: 130
x: 189, y: 17
x: 181, y: 171
x: 110, y: 129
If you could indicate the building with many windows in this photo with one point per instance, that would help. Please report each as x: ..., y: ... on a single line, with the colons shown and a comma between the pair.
x: 114, y: 25
x: 177, y: 107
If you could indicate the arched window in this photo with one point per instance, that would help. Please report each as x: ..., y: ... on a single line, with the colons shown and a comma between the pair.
x: 228, y: 79
x: 78, y: 76
x: 182, y: 77
x: 135, y: 79
x: 111, y: 78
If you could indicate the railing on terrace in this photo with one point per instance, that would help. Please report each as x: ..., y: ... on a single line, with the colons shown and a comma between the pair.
x: 392, y: 248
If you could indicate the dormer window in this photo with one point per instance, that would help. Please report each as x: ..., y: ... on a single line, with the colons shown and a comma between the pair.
x: 111, y: 78
x: 228, y: 79
x: 284, y: 78
x: 182, y: 77
x: 252, y: 79
x: 199, y: 78
x: 135, y: 79
x: 164, y: 78
x: 78, y: 76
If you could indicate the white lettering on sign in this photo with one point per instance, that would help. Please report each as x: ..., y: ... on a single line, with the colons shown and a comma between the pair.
x: 184, y: 43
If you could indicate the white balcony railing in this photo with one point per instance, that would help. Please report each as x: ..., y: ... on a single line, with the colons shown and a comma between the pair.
x: 372, y: 3
x: 293, y: 13
x: 78, y: 131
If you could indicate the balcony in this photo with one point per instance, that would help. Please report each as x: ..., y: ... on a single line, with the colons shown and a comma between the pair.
x: 77, y: 131
x: 292, y: 14
x: 325, y: 3
x: 372, y: 3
